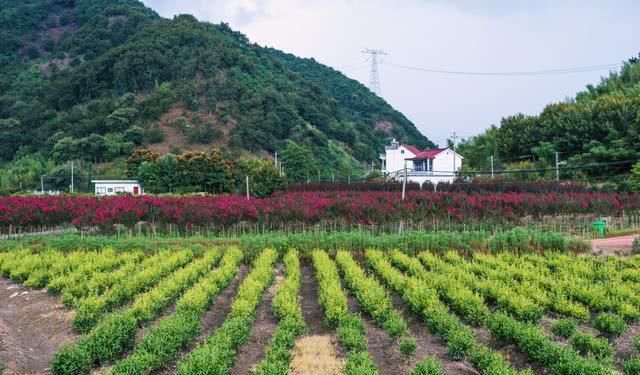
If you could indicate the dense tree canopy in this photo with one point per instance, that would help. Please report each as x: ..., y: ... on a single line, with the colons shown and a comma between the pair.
x: 602, y: 124
x: 91, y: 79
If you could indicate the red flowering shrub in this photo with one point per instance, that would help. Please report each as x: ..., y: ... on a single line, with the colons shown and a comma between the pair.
x: 350, y: 207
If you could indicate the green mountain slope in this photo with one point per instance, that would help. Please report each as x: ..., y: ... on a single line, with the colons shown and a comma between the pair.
x: 600, y: 125
x: 94, y: 79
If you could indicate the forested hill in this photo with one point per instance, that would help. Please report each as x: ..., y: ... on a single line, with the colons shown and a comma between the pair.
x: 94, y: 79
x: 600, y: 125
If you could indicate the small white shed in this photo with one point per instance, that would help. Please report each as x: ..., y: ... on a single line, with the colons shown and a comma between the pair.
x: 115, y: 187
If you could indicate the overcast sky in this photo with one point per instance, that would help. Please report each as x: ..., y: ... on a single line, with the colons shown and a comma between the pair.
x: 461, y: 35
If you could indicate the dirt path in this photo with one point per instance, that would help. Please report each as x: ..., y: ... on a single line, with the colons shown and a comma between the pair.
x: 317, y: 352
x: 613, y: 246
x: 33, y: 326
x: 264, y: 325
x: 212, y: 319
x: 384, y: 349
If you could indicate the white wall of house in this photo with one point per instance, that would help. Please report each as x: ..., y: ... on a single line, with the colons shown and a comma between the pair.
x: 115, y: 187
x: 443, y: 162
x: 442, y: 168
x: 395, y: 159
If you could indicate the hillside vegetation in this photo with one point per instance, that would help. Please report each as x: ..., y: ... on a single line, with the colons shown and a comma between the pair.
x: 92, y: 80
x: 600, y: 125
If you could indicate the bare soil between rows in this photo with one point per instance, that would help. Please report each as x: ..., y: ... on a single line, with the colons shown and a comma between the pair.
x: 33, y: 326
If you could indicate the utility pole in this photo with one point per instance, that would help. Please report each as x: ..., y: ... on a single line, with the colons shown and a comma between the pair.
x: 247, y: 180
x: 557, y: 167
x: 276, y: 161
x: 72, y: 176
x: 333, y: 178
x: 42, y: 184
x: 492, y: 167
x: 374, y: 78
x: 404, y: 180
x: 349, y: 179
x: 454, y: 154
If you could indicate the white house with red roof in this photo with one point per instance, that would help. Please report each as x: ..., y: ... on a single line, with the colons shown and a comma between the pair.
x: 434, y: 165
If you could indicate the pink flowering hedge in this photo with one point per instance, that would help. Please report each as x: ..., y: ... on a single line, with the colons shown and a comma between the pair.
x: 305, y: 207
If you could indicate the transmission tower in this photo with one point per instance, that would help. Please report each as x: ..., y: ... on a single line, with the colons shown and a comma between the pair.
x: 374, y: 79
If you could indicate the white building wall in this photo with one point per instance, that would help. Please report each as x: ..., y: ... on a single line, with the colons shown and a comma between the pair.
x: 395, y: 159
x: 115, y: 188
x: 443, y: 164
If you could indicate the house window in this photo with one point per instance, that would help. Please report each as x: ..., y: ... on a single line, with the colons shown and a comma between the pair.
x: 101, y: 190
x: 110, y: 190
x: 402, y: 151
x: 119, y: 190
x: 430, y: 165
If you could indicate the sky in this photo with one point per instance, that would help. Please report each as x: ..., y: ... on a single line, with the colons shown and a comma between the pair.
x: 459, y: 35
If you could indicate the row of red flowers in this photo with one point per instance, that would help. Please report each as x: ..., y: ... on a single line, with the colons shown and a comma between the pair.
x: 307, y: 207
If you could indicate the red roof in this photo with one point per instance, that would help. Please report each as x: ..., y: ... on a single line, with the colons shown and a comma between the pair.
x: 427, y: 154
x: 413, y: 149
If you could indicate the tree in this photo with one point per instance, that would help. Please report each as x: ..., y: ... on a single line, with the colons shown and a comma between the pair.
x: 297, y: 162
x: 11, y: 137
x: 263, y: 176
x: 140, y: 155
x: 168, y: 173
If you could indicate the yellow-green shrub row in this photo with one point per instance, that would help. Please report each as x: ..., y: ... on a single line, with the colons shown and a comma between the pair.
x: 372, y: 296
x: 116, y: 333
x: 593, y: 281
x: 82, y: 285
x: 103, y: 260
x: 527, y: 279
x: 516, y: 304
x: 460, y: 299
x: 218, y: 353
x: 350, y: 328
x: 91, y: 309
x: 286, y: 306
x: 162, y: 343
x: 528, y: 338
x: 59, y: 265
x: 424, y: 301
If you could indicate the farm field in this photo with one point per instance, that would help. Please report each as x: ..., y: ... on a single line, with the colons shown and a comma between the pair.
x: 220, y: 310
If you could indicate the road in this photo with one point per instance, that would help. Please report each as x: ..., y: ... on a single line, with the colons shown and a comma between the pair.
x: 614, y: 245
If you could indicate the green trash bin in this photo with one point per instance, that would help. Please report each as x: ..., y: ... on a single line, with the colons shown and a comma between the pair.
x: 600, y: 227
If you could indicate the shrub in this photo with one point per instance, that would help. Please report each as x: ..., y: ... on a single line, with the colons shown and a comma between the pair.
x: 610, y: 324
x: 428, y: 366
x: 632, y: 366
x: 587, y: 344
x: 408, y: 346
x: 564, y: 327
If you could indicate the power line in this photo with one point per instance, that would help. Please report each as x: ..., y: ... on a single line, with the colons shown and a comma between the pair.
x: 583, y: 69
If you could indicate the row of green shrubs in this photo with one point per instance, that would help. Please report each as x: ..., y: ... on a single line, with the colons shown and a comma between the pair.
x: 520, y: 240
x: 116, y: 333
x: 350, y: 328
x: 162, y: 343
x: 424, y: 301
x: 90, y: 310
x: 286, y: 307
x: 217, y: 354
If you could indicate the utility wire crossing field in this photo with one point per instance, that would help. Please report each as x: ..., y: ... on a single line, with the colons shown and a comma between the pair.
x: 144, y: 313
